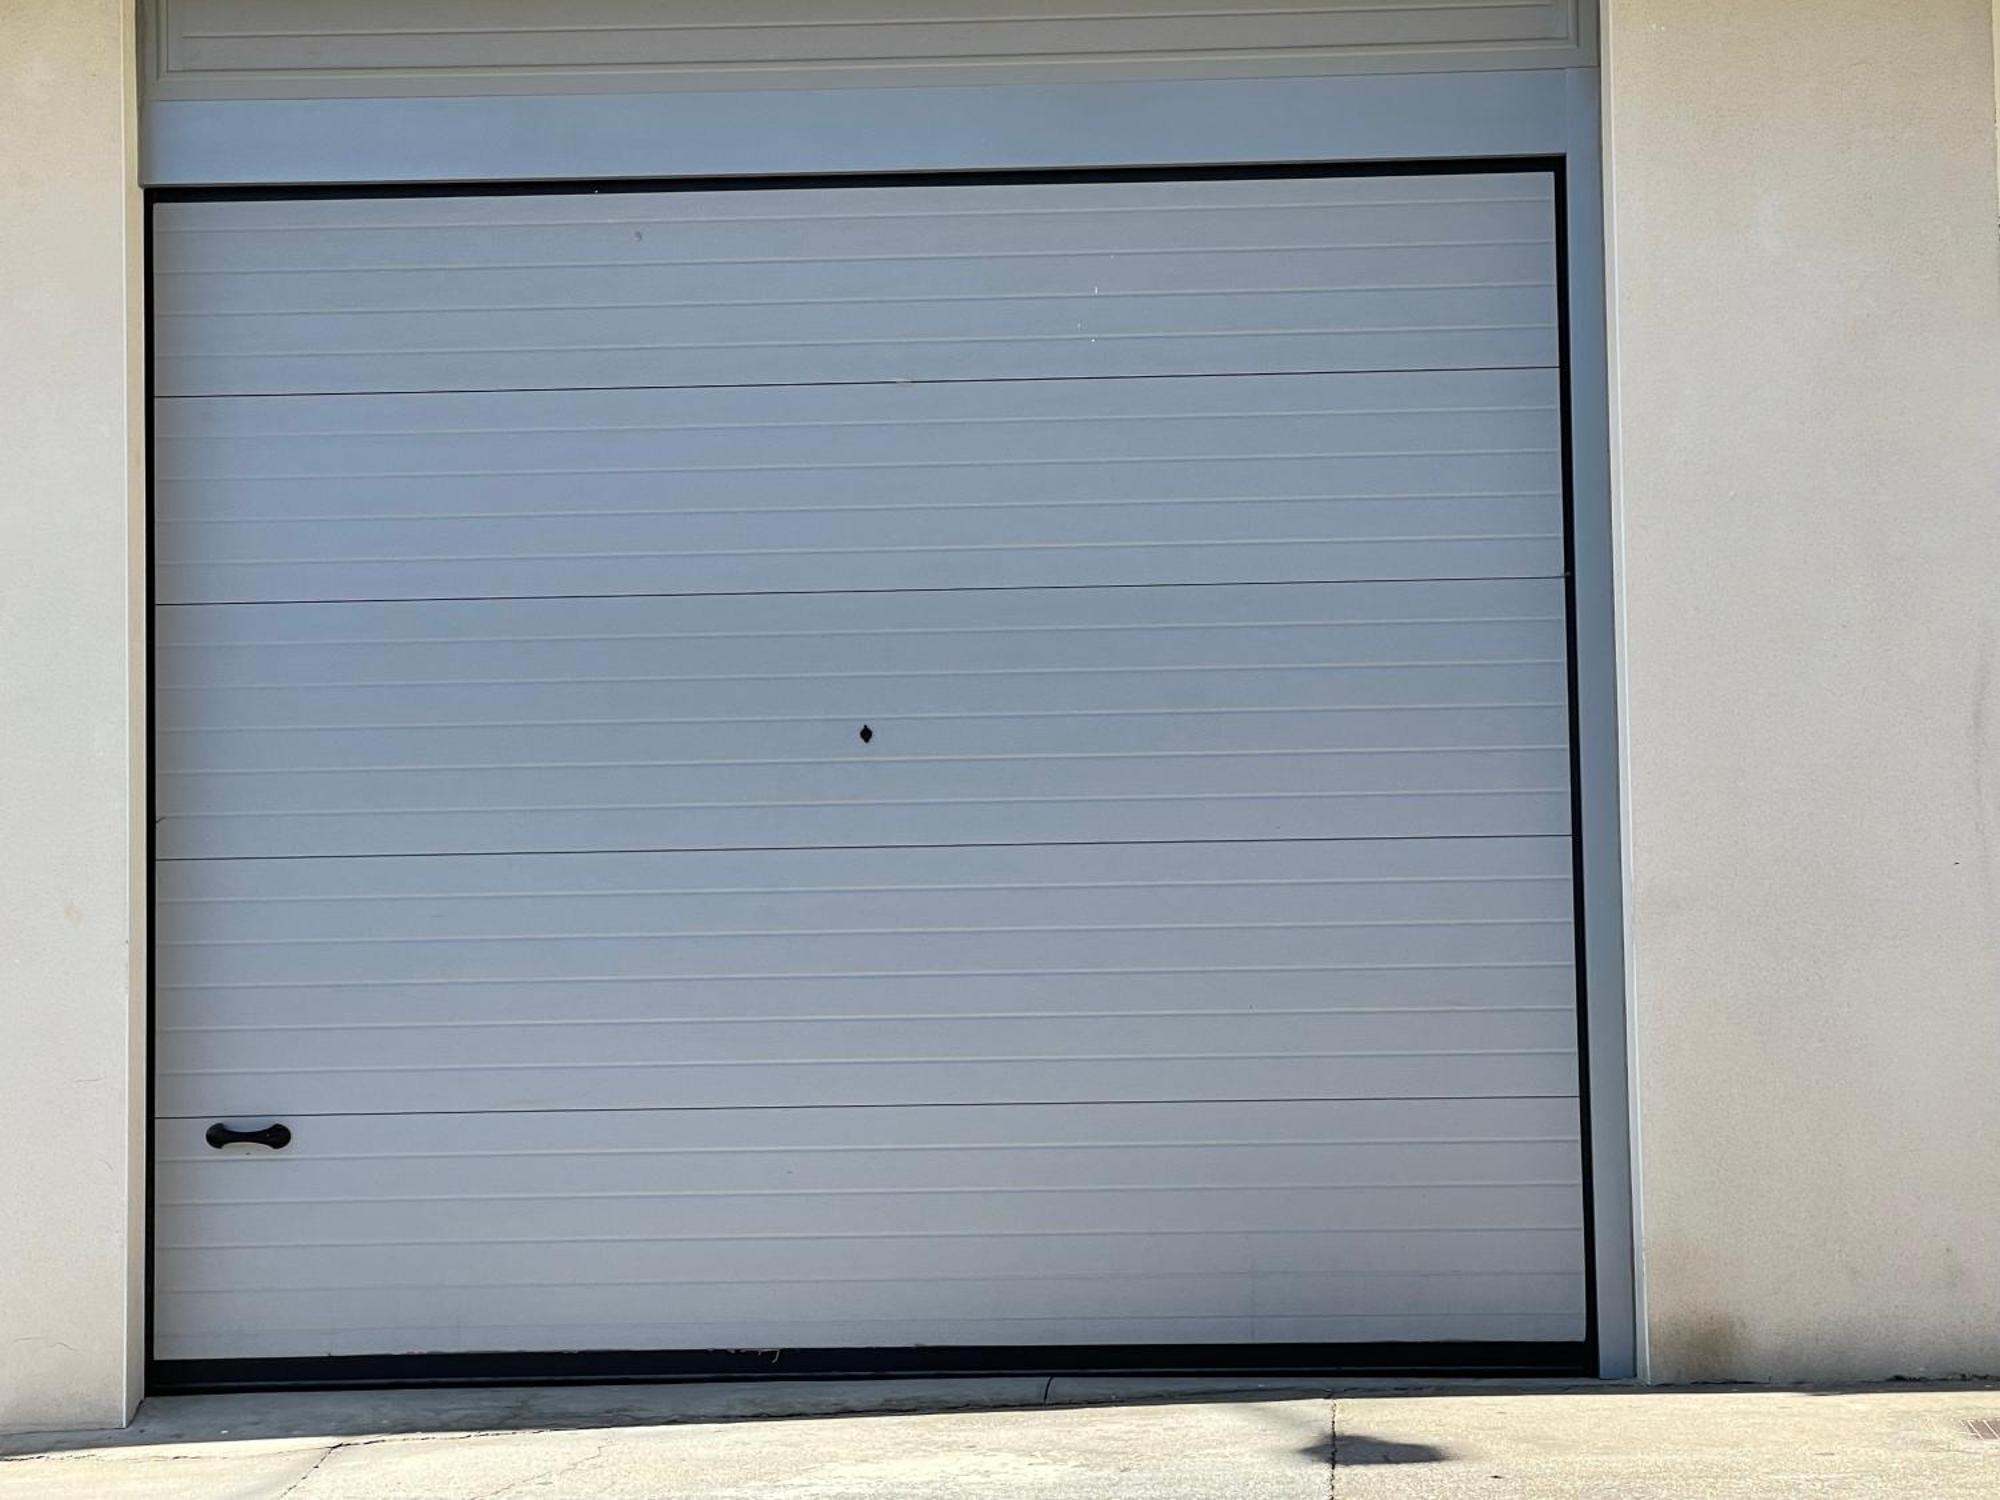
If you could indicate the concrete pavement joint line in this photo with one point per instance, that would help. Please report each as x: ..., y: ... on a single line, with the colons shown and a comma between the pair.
x: 1332, y: 1449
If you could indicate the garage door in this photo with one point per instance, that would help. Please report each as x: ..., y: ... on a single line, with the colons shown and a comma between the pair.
x: 865, y: 766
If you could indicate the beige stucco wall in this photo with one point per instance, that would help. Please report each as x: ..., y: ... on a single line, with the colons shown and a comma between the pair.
x: 70, y: 713
x: 1806, y: 326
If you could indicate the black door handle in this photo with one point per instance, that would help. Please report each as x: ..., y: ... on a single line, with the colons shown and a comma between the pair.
x: 277, y: 1137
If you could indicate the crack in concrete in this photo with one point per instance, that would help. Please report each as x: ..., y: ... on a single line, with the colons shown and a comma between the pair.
x: 547, y: 1474
x: 115, y: 1452
x: 311, y: 1470
x: 104, y: 1455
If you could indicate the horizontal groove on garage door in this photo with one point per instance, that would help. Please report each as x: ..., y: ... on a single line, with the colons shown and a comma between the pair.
x: 1453, y: 474
x: 1019, y: 716
x: 1307, y: 1220
x: 1392, y: 968
x: 803, y: 285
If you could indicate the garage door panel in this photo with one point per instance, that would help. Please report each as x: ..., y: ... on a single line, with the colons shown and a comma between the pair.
x: 866, y: 976
x: 593, y: 996
x: 1275, y: 345
x: 1020, y: 337
x: 1353, y: 815
x: 807, y: 1318
x: 878, y: 890
x: 199, y: 1263
x: 1130, y: 280
x: 258, y: 283
x: 1065, y: 566
x: 725, y: 956
x: 1180, y: 796
x: 1435, y: 475
x: 644, y: 1214
x: 1167, y: 775
x: 1228, y: 938
x: 727, y: 1313
x: 1026, y: 1146
x: 1458, y: 1214
x: 1488, y: 540
x: 1016, y: 717
x: 1436, y: 1073
x: 1422, y: 730
x: 379, y: 1018
x: 1056, y: 1060
x: 323, y: 437
x: 463, y: 642
x: 970, y: 222
x: 545, y: 1172
x: 858, y: 696
x: 838, y: 1314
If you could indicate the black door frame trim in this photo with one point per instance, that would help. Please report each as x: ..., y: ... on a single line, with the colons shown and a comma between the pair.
x: 1494, y: 1359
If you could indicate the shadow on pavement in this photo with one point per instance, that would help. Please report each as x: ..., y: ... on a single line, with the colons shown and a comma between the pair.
x: 1357, y: 1449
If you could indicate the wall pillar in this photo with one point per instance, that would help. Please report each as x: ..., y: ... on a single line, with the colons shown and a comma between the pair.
x: 1805, y: 321
x: 72, y: 717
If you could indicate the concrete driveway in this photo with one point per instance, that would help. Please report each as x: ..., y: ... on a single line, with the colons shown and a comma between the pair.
x: 1027, y: 1439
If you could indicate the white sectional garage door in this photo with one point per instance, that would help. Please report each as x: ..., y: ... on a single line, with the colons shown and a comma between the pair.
x: 967, y: 764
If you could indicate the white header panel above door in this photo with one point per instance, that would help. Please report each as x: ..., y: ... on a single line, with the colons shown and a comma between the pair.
x: 330, y: 49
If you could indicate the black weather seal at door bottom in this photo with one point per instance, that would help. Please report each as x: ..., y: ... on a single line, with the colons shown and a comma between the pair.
x: 635, y: 1367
